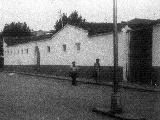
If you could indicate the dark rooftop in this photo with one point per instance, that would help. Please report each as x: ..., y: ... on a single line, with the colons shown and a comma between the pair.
x: 140, y: 23
x: 14, y: 41
x: 92, y: 28
x: 100, y: 28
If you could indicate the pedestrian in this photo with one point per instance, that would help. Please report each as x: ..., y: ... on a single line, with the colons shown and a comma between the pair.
x: 73, y: 73
x: 97, y: 70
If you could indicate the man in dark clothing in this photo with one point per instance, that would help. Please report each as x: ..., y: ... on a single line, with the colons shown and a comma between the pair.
x: 74, y: 73
x: 97, y: 70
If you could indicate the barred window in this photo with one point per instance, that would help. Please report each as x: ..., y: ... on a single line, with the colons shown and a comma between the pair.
x: 64, y: 47
x: 48, y: 49
x: 27, y: 51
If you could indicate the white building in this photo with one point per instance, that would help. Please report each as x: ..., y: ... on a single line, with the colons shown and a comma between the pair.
x: 138, y: 52
x: 69, y: 44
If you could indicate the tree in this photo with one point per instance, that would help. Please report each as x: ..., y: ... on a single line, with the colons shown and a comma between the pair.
x: 61, y: 22
x: 16, y: 30
x: 73, y: 19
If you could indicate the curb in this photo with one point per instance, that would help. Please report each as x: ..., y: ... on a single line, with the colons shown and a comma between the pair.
x: 120, y: 116
x: 141, y: 89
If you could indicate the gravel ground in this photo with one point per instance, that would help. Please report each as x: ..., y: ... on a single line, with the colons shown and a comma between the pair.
x: 145, y: 104
x: 25, y: 97
x: 34, y: 98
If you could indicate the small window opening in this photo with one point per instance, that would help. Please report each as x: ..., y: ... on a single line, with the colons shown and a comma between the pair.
x: 64, y: 47
x: 48, y: 49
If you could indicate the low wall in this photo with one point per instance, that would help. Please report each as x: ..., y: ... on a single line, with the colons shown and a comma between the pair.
x: 106, y: 73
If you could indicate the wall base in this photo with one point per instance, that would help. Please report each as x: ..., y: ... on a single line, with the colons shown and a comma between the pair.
x: 106, y: 73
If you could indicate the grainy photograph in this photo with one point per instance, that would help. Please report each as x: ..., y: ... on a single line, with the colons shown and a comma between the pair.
x: 79, y: 60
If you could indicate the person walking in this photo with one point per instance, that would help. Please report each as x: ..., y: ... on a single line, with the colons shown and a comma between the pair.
x: 97, y: 70
x: 73, y: 73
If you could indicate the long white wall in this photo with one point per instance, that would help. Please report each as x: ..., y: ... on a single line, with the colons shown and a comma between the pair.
x: 23, y: 54
x: 91, y: 48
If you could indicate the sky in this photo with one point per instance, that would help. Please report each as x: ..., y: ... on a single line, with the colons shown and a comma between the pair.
x: 42, y: 14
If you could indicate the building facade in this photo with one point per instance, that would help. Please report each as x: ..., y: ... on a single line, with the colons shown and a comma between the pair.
x: 69, y: 44
x: 143, y: 51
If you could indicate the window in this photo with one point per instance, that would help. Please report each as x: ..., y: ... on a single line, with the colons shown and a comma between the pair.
x: 22, y: 51
x: 27, y: 51
x: 48, y: 48
x: 64, y: 47
x: 18, y: 51
x: 78, y: 46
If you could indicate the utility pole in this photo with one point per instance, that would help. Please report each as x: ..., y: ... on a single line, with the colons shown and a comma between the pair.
x: 116, y: 107
x: 115, y: 97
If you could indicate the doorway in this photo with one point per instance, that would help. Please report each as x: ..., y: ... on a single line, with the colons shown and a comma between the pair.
x: 140, y: 56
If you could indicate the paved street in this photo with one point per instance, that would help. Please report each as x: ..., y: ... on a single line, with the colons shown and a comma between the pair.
x: 25, y: 97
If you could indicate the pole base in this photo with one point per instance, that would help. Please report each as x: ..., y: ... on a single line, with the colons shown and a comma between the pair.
x: 116, y: 106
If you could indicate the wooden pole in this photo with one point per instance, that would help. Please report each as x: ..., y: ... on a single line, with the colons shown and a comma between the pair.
x: 115, y: 43
x: 115, y: 98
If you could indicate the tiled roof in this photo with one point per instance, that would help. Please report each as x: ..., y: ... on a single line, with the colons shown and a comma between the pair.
x: 100, y: 28
x: 140, y: 23
x: 92, y: 28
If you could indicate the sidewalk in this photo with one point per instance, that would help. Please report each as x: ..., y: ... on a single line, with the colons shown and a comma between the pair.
x: 125, y: 85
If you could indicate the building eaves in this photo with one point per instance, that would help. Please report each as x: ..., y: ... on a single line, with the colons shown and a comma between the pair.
x: 10, y: 41
x: 93, y: 29
x: 77, y: 27
x: 100, y: 28
x: 138, y: 24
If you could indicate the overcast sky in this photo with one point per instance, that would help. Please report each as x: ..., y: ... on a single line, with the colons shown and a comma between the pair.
x: 42, y: 14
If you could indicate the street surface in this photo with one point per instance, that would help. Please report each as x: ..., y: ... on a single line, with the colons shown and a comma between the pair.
x: 25, y: 97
